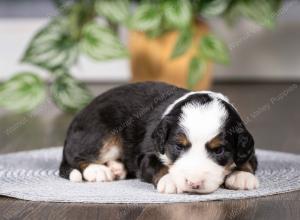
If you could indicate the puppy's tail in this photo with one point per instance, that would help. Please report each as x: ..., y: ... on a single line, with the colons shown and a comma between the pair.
x: 68, y: 172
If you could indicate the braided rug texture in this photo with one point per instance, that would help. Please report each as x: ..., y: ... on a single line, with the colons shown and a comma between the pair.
x: 33, y: 175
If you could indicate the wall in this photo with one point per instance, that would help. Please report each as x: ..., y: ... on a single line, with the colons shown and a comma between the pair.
x: 256, y: 54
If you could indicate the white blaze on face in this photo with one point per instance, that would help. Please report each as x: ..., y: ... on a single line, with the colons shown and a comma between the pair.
x: 201, y: 123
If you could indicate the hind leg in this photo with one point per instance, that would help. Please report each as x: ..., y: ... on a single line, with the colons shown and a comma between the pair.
x: 112, y: 170
x: 93, y: 164
x: 98, y: 173
x: 117, y: 169
x: 107, y: 168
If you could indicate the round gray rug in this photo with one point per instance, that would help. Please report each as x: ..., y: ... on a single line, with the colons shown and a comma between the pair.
x: 33, y: 175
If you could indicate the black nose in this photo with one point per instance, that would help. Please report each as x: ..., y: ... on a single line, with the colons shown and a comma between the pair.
x: 197, y: 185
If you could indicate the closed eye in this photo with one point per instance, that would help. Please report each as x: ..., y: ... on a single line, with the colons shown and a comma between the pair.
x: 179, y: 147
x: 219, y: 151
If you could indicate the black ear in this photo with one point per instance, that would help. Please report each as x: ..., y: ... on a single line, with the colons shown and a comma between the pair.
x: 160, y: 135
x: 244, y: 147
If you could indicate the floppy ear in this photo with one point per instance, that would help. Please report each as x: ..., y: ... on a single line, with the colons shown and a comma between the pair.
x: 160, y: 135
x: 244, y: 148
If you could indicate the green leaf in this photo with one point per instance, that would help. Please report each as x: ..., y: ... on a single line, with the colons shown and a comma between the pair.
x: 177, y: 13
x: 214, y: 49
x: 61, y: 4
x: 147, y: 17
x: 261, y: 11
x: 22, y: 93
x: 114, y: 10
x: 69, y: 94
x: 183, y: 43
x: 52, y: 47
x: 264, y: 12
x: 232, y: 15
x: 101, y: 43
x: 213, y: 8
x: 196, y: 69
x: 155, y: 33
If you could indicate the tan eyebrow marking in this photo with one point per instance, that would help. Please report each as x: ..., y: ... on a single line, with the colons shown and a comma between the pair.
x: 215, y: 142
x: 182, y: 139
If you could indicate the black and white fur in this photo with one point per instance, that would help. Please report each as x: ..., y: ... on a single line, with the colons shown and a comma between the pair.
x: 181, y: 141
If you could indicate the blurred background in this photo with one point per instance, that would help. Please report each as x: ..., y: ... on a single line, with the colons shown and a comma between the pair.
x: 55, y: 56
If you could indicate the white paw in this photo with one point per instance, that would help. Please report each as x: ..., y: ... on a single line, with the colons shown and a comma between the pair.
x: 241, y: 180
x: 98, y: 173
x: 75, y: 176
x: 171, y: 184
x: 117, y: 169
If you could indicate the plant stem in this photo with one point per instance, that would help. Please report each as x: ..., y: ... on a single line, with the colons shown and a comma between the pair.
x: 113, y: 26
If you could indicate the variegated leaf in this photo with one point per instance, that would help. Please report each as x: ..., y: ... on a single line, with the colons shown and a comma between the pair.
x: 177, y: 13
x: 100, y: 43
x: 114, y: 10
x: 52, y: 47
x: 147, y: 17
x: 214, y: 49
x: 22, y: 93
x: 196, y: 69
x: 69, y: 94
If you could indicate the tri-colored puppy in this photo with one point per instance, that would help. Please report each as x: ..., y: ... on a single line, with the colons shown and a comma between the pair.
x: 181, y: 141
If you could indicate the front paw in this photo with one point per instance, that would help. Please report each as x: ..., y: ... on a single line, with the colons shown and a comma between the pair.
x: 171, y: 184
x: 241, y: 180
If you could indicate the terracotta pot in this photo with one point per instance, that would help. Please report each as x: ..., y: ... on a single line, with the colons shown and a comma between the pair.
x: 150, y: 58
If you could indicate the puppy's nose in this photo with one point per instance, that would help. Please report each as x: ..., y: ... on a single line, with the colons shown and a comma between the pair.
x: 196, y: 185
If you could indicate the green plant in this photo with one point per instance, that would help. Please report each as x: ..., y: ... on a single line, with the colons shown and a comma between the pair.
x: 90, y: 28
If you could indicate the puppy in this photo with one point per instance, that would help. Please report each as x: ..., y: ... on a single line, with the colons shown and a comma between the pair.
x: 178, y: 140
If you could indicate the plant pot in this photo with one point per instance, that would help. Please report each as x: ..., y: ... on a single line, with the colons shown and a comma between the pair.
x: 150, y: 58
